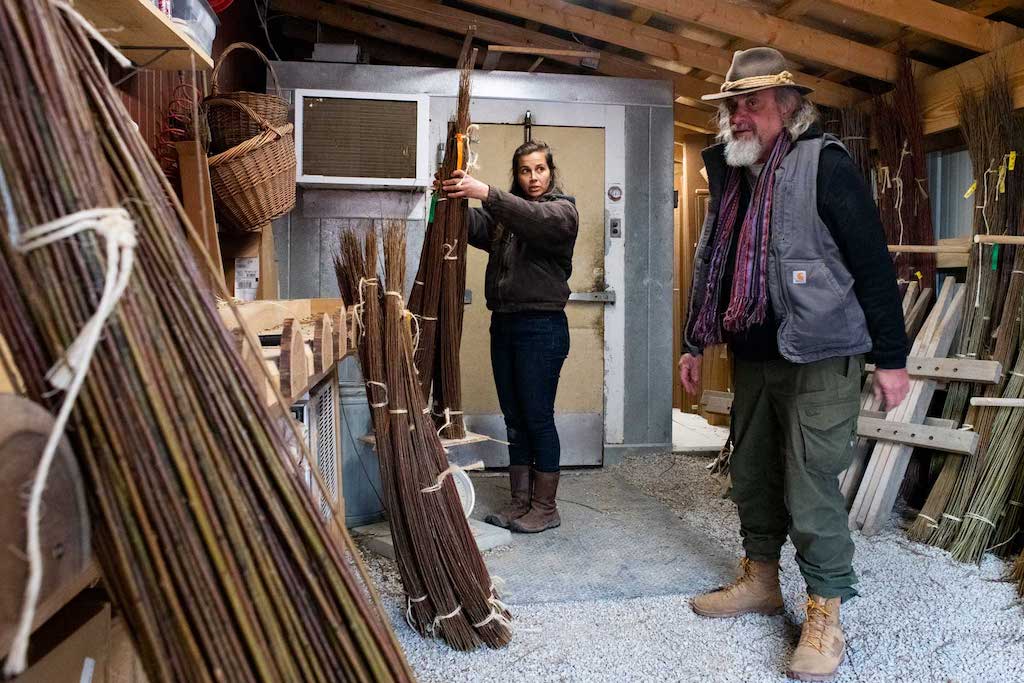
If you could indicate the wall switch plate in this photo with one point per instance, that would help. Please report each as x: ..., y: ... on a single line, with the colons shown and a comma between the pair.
x: 615, y: 227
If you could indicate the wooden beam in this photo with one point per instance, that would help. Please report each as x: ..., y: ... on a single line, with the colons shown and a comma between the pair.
x: 491, y: 30
x: 794, y: 9
x: 942, y: 22
x: 694, y: 119
x: 958, y: 369
x: 677, y: 51
x: 918, y: 435
x: 937, y: 94
x: 787, y: 36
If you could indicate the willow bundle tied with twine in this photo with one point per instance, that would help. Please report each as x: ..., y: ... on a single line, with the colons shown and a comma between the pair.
x: 449, y: 592
x: 902, y: 177
x: 208, y: 540
x: 1005, y: 449
x: 438, y: 294
x: 852, y: 126
x: 992, y: 133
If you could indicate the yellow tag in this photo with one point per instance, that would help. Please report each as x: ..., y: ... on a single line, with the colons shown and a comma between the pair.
x: 1013, y: 159
x: 971, y: 190
x: 1002, y: 179
x: 918, y: 274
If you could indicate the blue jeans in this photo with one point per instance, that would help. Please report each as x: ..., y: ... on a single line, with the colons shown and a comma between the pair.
x: 527, y: 352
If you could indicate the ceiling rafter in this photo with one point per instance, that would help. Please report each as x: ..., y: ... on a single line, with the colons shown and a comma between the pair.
x: 942, y: 22
x: 450, y: 19
x: 671, y: 50
x: 787, y: 36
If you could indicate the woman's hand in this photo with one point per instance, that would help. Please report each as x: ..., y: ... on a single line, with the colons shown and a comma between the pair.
x: 461, y: 184
x: 689, y: 372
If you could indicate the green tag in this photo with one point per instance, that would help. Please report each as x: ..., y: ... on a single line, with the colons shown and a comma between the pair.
x: 971, y: 189
x: 995, y: 257
x: 1013, y: 159
x: 433, y: 206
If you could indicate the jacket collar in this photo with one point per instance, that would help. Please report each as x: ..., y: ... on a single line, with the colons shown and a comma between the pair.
x: 714, y: 160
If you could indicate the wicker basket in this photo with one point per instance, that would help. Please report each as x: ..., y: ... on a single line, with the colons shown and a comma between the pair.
x: 254, y: 182
x: 230, y: 127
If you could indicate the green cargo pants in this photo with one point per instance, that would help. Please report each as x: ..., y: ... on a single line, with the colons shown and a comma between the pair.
x: 793, y: 428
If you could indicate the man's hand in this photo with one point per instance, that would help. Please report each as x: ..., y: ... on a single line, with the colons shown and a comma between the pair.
x: 891, y: 387
x: 689, y: 372
x: 461, y: 184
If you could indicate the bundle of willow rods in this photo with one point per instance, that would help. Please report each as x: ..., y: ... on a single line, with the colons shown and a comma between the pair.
x: 449, y: 592
x: 437, y: 298
x: 1003, y: 454
x: 991, y: 132
x: 902, y: 177
x: 207, y: 538
x: 852, y: 126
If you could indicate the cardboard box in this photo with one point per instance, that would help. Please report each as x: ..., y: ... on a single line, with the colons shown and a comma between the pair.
x: 72, y: 646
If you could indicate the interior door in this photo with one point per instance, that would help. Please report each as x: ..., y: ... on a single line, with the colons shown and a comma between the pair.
x: 579, y: 406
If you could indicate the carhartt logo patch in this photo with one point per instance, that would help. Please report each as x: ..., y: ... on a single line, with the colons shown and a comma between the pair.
x: 799, y: 277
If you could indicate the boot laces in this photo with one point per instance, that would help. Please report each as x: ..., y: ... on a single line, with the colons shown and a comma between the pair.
x: 745, y: 577
x: 814, y: 628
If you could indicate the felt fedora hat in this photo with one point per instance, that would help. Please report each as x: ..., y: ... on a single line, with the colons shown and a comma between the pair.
x: 758, y: 68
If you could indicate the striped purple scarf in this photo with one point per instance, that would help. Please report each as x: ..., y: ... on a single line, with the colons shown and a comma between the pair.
x: 748, y: 300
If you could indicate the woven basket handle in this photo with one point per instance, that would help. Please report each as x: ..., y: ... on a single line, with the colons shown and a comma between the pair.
x: 242, y: 46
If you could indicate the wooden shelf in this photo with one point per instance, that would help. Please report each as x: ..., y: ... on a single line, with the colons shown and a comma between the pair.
x: 142, y: 32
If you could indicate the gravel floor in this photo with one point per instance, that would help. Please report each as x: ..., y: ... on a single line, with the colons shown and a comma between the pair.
x: 920, y: 617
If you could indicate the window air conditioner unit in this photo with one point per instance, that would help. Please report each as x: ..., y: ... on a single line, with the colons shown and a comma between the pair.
x: 361, y: 140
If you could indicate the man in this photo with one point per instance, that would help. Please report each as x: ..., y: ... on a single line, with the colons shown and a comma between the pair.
x: 791, y: 271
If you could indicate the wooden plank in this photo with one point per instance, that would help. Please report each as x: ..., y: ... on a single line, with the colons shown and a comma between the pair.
x: 889, y: 461
x: 699, y: 120
x: 987, y: 402
x: 937, y: 93
x: 292, y: 362
x: 958, y: 369
x: 794, y: 9
x: 197, y: 198
x: 915, y: 318
x: 939, y: 21
x: 851, y: 479
x: 999, y: 239
x: 929, y: 248
x: 787, y: 36
x: 143, y: 33
x: 919, y: 435
x: 323, y: 343
x: 928, y: 421
x: 664, y: 45
x: 718, y: 402
x: 450, y: 19
x: 544, y: 51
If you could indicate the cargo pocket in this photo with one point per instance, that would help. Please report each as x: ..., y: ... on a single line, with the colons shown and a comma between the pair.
x: 827, y: 431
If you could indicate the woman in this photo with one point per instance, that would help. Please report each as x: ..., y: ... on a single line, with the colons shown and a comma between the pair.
x: 529, y: 233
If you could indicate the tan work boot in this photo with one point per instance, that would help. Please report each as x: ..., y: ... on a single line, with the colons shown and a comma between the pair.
x: 820, y: 652
x: 756, y: 591
x: 543, y: 513
x: 519, y: 482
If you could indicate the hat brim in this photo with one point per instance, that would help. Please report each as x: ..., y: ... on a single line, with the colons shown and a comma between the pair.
x: 802, y: 89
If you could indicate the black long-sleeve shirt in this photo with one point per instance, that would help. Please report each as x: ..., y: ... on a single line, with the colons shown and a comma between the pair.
x: 846, y: 207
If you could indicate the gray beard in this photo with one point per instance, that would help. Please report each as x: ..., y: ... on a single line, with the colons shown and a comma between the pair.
x: 741, y: 153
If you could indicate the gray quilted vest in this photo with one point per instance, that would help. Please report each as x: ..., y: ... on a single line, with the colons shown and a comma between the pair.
x: 810, y: 287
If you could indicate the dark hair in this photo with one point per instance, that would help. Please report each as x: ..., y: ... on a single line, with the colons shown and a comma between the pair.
x: 529, y: 148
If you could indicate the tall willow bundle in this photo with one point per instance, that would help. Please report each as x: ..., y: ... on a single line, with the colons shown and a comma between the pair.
x: 437, y: 299
x: 449, y: 592
x: 992, y: 132
x: 1009, y: 538
x: 902, y: 177
x: 207, y: 538
x: 852, y: 126
x: 1005, y: 451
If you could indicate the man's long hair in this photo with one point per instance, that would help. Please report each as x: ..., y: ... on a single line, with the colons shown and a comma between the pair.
x: 804, y: 114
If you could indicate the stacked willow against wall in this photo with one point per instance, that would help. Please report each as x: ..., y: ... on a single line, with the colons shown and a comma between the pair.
x: 208, y: 541
x: 901, y: 176
x: 967, y: 505
x: 449, y: 593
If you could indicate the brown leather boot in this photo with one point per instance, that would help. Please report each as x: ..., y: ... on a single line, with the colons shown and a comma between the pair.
x: 756, y: 591
x: 519, y: 482
x: 822, y: 644
x: 543, y: 514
